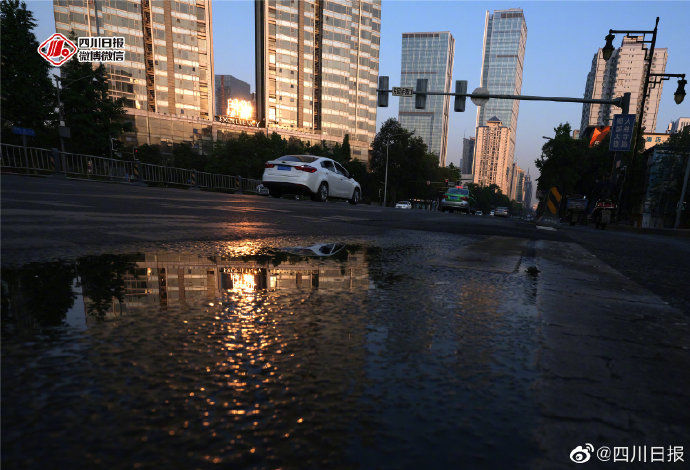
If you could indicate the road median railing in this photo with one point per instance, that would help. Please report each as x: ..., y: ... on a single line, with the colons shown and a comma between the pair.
x: 37, y: 161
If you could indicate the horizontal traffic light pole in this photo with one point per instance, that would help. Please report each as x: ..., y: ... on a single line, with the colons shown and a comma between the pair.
x: 615, y: 101
x: 622, y: 102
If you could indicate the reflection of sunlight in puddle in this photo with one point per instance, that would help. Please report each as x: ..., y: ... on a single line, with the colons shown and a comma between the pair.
x: 243, y: 248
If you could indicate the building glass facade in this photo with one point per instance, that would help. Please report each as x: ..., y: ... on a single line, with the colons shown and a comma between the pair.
x: 468, y: 155
x: 229, y: 87
x: 428, y: 56
x: 505, y: 35
x: 317, y: 67
x: 168, y: 65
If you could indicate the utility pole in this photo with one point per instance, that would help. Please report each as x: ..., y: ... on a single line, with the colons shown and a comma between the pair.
x: 681, y: 201
x: 385, y: 182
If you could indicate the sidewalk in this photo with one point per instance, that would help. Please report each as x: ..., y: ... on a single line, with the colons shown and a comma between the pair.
x: 551, y: 221
x: 682, y: 232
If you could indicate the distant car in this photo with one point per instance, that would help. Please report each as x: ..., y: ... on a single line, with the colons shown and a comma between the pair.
x: 491, y: 213
x: 456, y: 199
x: 320, y: 177
x: 403, y: 205
x: 501, y: 212
x: 479, y: 213
x: 262, y: 190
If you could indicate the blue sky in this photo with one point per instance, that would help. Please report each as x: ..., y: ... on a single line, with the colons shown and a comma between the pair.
x: 562, y: 37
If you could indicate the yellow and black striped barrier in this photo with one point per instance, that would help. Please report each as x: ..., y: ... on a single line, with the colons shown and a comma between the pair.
x: 553, y: 200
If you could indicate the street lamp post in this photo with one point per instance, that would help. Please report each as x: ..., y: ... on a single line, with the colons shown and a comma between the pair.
x: 385, y: 181
x: 607, y: 51
x: 654, y: 78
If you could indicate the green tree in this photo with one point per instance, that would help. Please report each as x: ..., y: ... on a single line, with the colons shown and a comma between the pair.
x: 27, y: 94
x: 574, y: 167
x: 410, y: 165
x: 93, y: 118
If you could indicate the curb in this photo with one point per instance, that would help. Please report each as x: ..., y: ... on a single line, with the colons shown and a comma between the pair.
x: 682, y: 233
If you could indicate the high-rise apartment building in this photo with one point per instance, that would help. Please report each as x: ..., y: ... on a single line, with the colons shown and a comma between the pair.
x: 168, y: 66
x: 229, y: 87
x: 623, y: 72
x: 678, y: 125
x: 317, y: 66
x: 428, y: 56
x: 493, y: 162
x: 468, y: 154
x: 505, y: 36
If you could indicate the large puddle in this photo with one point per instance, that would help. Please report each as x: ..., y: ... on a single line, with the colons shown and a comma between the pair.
x: 322, y: 355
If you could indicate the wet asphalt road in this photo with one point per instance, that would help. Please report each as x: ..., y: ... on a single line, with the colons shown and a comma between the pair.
x: 439, y: 351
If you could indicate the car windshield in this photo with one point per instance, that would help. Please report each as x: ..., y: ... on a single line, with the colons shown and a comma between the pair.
x: 296, y: 158
x: 404, y: 202
x: 459, y: 192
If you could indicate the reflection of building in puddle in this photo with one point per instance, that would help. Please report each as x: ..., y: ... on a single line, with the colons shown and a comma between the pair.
x: 160, y: 280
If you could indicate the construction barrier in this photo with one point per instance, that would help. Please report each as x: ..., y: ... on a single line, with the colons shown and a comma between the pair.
x: 553, y: 200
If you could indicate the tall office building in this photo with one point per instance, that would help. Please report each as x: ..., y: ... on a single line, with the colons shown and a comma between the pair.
x: 505, y: 36
x: 493, y: 163
x: 429, y: 56
x: 623, y: 72
x: 168, y: 65
x: 528, y: 191
x: 468, y: 154
x: 229, y: 87
x: 317, y: 67
x: 519, y: 184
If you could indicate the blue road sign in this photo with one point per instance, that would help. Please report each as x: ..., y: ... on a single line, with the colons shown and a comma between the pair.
x: 622, y: 132
x: 23, y: 131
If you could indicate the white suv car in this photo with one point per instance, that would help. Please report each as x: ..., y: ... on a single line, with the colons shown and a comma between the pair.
x: 320, y: 177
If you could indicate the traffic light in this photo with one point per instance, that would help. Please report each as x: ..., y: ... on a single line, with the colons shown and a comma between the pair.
x: 420, y: 93
x: 460, y: 87
x: 382, y: 95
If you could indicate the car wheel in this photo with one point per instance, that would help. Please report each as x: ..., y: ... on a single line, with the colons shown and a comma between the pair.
x: 355, y: 197
x: 322, y: 193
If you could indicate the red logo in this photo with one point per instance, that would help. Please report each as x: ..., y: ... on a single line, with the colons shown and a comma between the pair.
x: 57, y: 49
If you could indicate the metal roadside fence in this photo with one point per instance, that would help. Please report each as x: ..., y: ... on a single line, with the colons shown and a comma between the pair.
x: 37, y: 161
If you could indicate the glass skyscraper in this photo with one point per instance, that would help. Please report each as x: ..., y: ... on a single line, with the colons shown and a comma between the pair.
x: 429, y: 56
x: 505, y: 35
x: 168, y: 65
x: 317, y: 65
